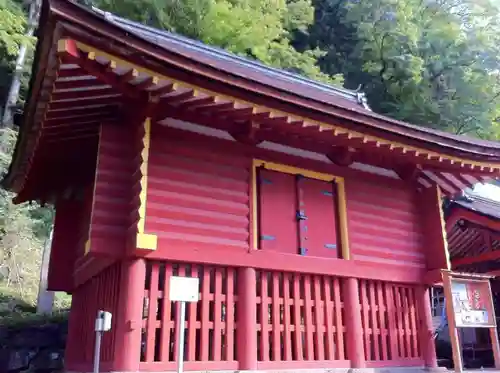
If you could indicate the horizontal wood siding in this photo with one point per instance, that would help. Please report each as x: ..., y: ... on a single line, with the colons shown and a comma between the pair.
x: 197, y: 197
x: 99, y: 293
x: 65, y: 241
x: 384, y: 224
x: 112, y: 190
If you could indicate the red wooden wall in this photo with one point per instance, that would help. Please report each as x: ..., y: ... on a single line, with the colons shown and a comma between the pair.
x: 103, y: 215
x: 66, y: 245
x: 197, y: 198
x: 112, y: 190
x: 384, y: 224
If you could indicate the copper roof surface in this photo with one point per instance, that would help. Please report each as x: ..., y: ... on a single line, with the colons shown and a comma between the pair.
x: 480, y: 205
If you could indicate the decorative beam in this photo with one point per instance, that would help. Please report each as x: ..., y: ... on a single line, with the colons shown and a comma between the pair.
x: 473, y: 217
x: 485, y: 257
x: 342, y: 155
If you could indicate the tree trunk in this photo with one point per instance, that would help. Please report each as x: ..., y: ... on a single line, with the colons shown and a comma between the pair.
x: 15, y: 86
x: 45, y: 301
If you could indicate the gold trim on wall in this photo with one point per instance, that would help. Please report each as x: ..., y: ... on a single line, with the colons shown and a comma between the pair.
x: 144, y: 240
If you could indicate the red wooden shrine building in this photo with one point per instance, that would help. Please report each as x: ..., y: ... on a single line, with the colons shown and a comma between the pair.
x: 473, y: 234
x: 473, y: 228
x: 313, y: 223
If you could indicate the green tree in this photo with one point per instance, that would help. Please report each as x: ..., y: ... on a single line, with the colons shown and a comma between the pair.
x: 21, y: 237
x: 12, y: 30
x: 433, y: 63
x: 259, y: 29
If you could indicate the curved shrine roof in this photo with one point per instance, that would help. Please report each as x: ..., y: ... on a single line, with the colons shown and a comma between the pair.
x: 90, y: 66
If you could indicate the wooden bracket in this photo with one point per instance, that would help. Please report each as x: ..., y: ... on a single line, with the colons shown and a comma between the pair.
x: 247, y: 133
x: 342, y: 155
x: 409, y: 173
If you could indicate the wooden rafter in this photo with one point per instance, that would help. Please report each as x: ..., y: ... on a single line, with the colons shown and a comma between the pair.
x: 169, y: 88
x: 78, y: 84
x: 147, y: 83
x: 129, y: 76
x: 58, y: 96
x: 87, y: 101
x: 422, y: 156
x: 66, y: 73
x: 195, y: 103
x: 69, y: 52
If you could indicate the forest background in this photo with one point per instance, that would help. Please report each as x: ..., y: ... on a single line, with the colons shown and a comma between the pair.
x: 433, y: 63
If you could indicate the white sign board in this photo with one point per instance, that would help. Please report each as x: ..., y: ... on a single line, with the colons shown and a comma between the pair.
x: 184, y: 289
x: 103, y: 321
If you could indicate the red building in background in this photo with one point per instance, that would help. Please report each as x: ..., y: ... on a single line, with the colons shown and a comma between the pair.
x: 473, y: 227
x: 473, y: 232
x: 314, y: 225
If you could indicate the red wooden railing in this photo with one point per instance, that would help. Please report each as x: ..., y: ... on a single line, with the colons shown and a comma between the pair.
x: 210, y: 324
x: 299, y: 318
x: 390, y: 323
x: 99, y: 293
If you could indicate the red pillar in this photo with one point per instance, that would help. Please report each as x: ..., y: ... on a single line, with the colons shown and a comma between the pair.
x: 247, y: 307
x: 353, y: 326
x: 426, y: 339
x: 72, y: 341
x: 128, y: 321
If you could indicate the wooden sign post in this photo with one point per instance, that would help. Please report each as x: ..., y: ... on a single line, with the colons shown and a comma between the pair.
x: 182, y: 290
x: 469, y: 304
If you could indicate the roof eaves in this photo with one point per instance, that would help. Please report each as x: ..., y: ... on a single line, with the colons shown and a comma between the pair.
x: 361, y: 107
